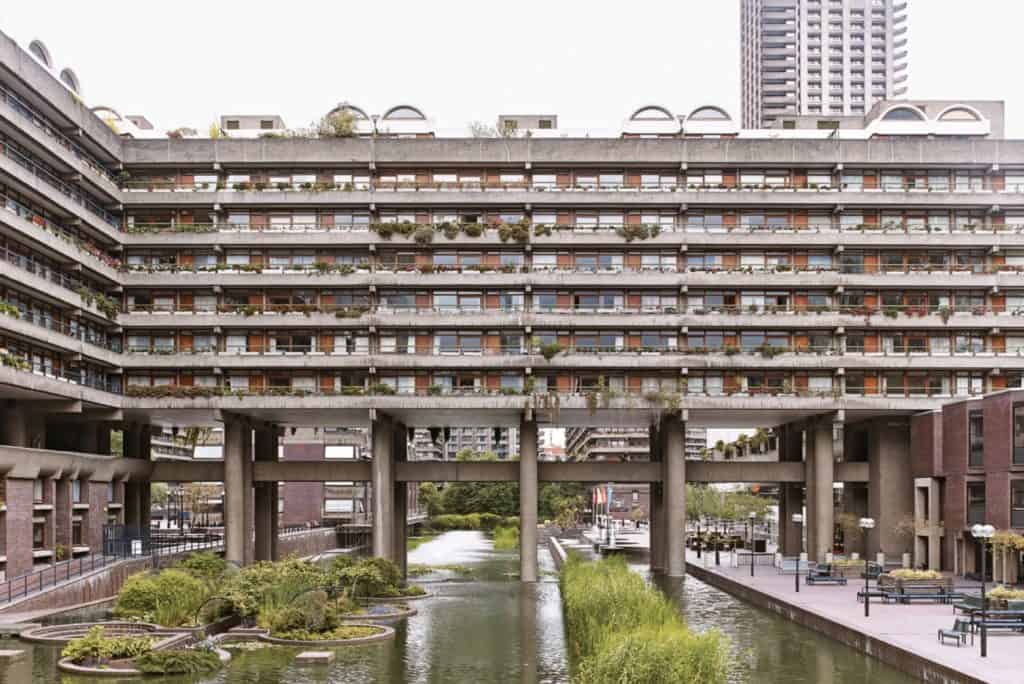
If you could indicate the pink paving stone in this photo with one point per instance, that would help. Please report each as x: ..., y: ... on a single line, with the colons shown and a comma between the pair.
x: 911, y: 627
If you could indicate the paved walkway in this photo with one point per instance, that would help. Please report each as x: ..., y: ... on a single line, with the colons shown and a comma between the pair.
x: 912, y: 627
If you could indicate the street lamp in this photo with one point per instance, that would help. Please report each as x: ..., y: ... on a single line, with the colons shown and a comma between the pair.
x: 753, y: 517
x: 798, y: 520
x: 983, y: 533
x: 698, y: 538
x: 717, y: 537
x: 866, y: 524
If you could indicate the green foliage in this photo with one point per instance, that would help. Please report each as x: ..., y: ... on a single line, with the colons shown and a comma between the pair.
x: 704, y: 501
x: 374, y: 577
x: 95, y: 647
x: 265, y: 586
x: 169, y: 598
x: 338, y: 125
x: 506, y: 538
x: 336, y: 634
x: 205, y: 565
x: 431, y: 498
x: 195, y: 661
x: 550, y: 351
x: 622, y: 630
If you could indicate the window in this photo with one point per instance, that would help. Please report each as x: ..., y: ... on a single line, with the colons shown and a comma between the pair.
x: 1017, y: 503
x: 266, y: 125
x: 231, y: 124
x: 38, y: 534
x: 545, y: 124
x: 975, y: 439
x: 975, y: 503
x: 37, y: 490
x: 76, y: 491
x: 1018, y: 434
x: 76, y: 531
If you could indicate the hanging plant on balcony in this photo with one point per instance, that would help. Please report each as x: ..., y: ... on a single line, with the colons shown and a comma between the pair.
x: 424, y: 235
x: 449, y: 229
x: 519, y: 232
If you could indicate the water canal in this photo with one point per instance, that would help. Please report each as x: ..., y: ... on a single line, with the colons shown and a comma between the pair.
x: 485, y: 628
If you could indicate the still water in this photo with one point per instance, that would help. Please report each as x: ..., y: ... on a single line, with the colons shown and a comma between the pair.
x: 488, y: 629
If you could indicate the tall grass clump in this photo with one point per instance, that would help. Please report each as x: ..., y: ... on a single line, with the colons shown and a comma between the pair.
x: 506, y: 538
x: 623, y: 630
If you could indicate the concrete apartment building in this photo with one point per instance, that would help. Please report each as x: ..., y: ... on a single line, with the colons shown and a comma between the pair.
x: 820, y: 57
x: 686, y: 274
x: 623, y: 444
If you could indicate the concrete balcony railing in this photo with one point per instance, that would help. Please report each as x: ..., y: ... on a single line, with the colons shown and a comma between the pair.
x: 572, y: 196
x: 33, y: 124
x: 812, y: 317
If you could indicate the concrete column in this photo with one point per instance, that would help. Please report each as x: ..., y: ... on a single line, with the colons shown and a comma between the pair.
x: 248, y: 497
x: 132, y: 507
x: 234, y: 490
x: 656, y: 531
x: 675, y: 496
x: 934, y: 518
x: 265, y: 498
x: 820, y: 507
x: 18, y: 496
x: 790, y: 535
x: 400, y: 493
x: 890, y: 485
x: 528, y: 501
x: 382, y: 474
x: 131, y: 436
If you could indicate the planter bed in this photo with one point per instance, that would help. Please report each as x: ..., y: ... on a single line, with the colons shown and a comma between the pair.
x: 393, y: 599
x: 381, y: 611
x: 383, y: 634
x: 60, y: 635
x: 119, y: 668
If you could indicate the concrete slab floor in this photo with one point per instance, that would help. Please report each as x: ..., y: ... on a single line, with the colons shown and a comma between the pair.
x: 911, y: 627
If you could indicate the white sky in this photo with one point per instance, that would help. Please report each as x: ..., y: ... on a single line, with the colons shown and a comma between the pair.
x: 186, y: 62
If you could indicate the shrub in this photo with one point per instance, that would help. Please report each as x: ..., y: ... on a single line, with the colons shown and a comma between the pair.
x: 205, y: 565
x: 1006, y: 594
x: 622, y: 630
x: 96, y: 647
x: 506, y: 538
x: 195, y: 661
x: 169, y: 598
x: 338, y: 633
x: 264, y: 587
x: 908, y: 574
x: 370, y: 577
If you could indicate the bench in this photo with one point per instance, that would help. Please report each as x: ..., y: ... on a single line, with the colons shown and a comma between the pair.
x: 816, y: 578
x: 998, y: 619
x: 874, y: 593
x: 923, y: 592
x: 961, y: 628
x: 967, y: 604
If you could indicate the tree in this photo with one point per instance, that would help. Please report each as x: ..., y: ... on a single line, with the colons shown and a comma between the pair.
x: 337, y: 125
x: 568, y: 512
x: 478, y: 129
x: 431, y: 498
x: 158, y: 493
x: 116, y: 443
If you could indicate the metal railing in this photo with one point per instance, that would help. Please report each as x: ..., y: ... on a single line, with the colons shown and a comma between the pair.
x: 58, y: 230
x: 43, y: 123
x: 50, y: 178
x: 75, y: 332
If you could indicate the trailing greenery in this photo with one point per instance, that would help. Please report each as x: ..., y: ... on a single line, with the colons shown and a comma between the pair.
x: 622, y: 630
x: 95, y: 648
x: 192, y: 661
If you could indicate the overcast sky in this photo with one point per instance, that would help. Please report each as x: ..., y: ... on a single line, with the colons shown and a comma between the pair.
x: 591, y: 62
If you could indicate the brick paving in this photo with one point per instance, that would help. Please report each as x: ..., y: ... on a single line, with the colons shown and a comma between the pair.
x: 912, y: 627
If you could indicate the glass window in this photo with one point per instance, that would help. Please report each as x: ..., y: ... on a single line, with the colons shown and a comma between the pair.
x: 1018, y: 434
x: 975, y: 439
x: 975, y: 503
x: 1017, y: 503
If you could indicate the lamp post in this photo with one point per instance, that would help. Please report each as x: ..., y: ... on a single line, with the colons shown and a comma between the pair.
x: 983, y: 533
x: 753, y: 518
x: 698, y: 538
x: 717, y: 537
x: 866, y: 524
x: 798, y: 520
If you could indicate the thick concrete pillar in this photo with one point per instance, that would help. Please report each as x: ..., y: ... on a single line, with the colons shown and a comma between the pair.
x: 890, y: 485
x: 674, y: 492
x: 88, y: 436
x: 528, y: 501
x: 400, y: 493
x: 791, y: 501
x: 656, y: 529
x: 382, y: 474
x: 234, y: 490
x: 820, y: 505
x: 132, y: 507
x: 265, y: 498
x: 934, y: 519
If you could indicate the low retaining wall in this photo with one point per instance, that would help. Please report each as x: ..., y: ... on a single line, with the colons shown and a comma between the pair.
x: 557, y: 552
x: 107, y: 582
x: 890, y: 654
